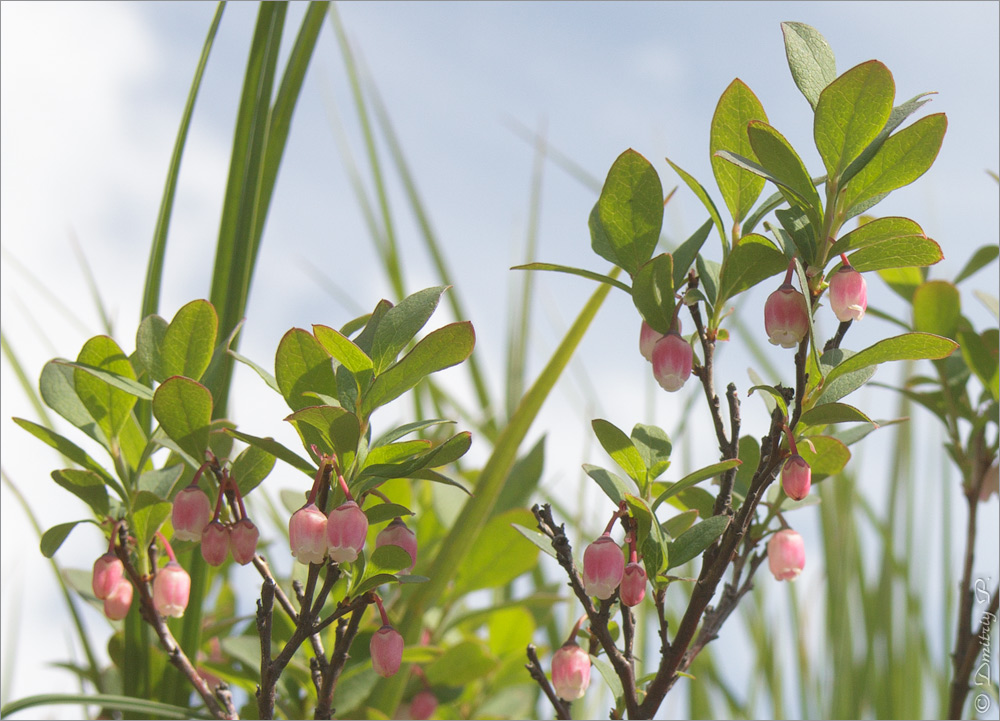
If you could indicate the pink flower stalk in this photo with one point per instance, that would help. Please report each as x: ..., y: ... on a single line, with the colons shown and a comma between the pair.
x: 117, y: 603
x: 423, y: 705
x: 796, y: 477
x: 570, y: 672
x: 191, y: 513
x: 603, y: 567
x: 307, y: 534
x: 243, y: 541
x: 647, y: 341
x: 848, y: 293
x: 215, y: 543
x: 397, y: 534
x: 108, y: 573
x: 672, y: 358
x: 633, y: 588
x: 786, y: 555
x: 386, y: 650
x: 346, y: 528
x: 171, y: 588
x: 786, y: 318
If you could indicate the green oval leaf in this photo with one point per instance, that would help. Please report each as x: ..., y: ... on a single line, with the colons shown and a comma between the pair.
x: 850, y: 113
x: 276, y: 449
x: 302, y: 366
x: 630, y: 210
x: 826, y: 456
x: 183, y: 408
x: 189, y: 340
x: 937, y: 308
x: 903, y: 158
x: 149, y: 346
x: 654, y: 447
x: 737, y: 107
x: 696, y: 539
x: 702, y: 195
x: 829, y: 413
x: 880, y: 230
x: 846, y: 384
x: 753, y: 260
x: 110, y: 406
x: 459, y: 665
x: 653, y: 292
x: 338, y: 429
x: 702, y: 474
x: 810, y: 59
x: 148, y: 514
x: 88, y: 486
x: 53, y: 538
x: 343, y: 349
x: 911, y: 252
x: 445, y: 347
x: 613, y: 486
x: 382, y: 512
x: 909, y: 346
x: 778, y: 157
x: 251, y: 467
x: 400, y: 324
x: 621, y: 449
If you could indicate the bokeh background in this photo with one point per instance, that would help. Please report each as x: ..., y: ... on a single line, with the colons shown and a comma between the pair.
x: 91, y: 95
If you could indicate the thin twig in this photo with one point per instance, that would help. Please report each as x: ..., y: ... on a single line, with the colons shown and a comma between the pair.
x: 535, y: 669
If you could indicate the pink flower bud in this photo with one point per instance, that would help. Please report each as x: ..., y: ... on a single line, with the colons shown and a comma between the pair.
x: 796, y: 477
x: 423, y: 705
x: 786, y: 555
x: 243, y: 541
x: 397, y: 534
x: 991, y: 483
x: 647, y: 341
x: 570, y: 672
x: 386, y: 650
x: 603, y: 566
x: 170, y: 590
x: 633, y: 588
x: 108, y: 573
x: 215, y: 543
x: 191, y: 513
x: 672, y: 358
x: 848, y: 294
x: 307, y: 534
x: 116, y: 605
x: 786, y: 319
x: 346, y: 528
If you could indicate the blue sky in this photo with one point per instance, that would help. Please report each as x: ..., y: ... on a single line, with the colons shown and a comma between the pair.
x: 92, y: 94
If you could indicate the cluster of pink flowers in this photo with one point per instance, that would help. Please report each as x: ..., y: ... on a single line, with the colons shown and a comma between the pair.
x: 193, y: 520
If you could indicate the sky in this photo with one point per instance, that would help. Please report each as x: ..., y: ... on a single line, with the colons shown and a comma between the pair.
x: 91, y: 95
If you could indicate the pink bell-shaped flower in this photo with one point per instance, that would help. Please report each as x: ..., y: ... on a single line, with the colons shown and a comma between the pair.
x: 397, y: 534
x: 423, y: 705
x: 786, y: 555
x: 570, y: 672
x: 633, y: 588
x: 108, y: 573
x: 191, y: 513
x: 117, y: 604
x: 346, y: 528
x: 171, y: 588
x: 848, y: 294
x: 215, y: 543
x: 243, y: 541
x: 647, y: 341
x: 386, y: 650
x: 796, y: 477
x: 307, y: 534
x: 672, y: 357
x: 786, y: 319
x: 603, y: 566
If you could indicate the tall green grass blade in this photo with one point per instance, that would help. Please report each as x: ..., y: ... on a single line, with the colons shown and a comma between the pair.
x: 140, y: 707
x: 154, y: 269
x: 476, y: 510
x: 45, y: 290
x: 234, y: 253
x: 561, y: 159
x: 26, y: 385
x: 91, y: 281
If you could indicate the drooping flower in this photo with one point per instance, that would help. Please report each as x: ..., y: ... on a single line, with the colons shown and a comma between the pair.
x: 570, y: 672
x: 672, y: 359
x: 786, y: 318
x: 647, y: 341
x: 796, y: 477
x: 386, y: 650
x: 603, y: 567
x: 171, y: 588
x: 633, y: 588
x: 398, y: 534
x: 423, y: 705
x: 243, y: 541
x: 108, y: 573
x: 215, y: 543
x: 786, y: 555
x: 848, y: 294
x: 191, y: 513
x: 346, y: 528
x: 307, y: 534
x: 118, y: 602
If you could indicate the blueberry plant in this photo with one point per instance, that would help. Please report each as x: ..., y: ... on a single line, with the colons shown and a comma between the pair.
x: 866, y: 155
x: 369, y: 620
